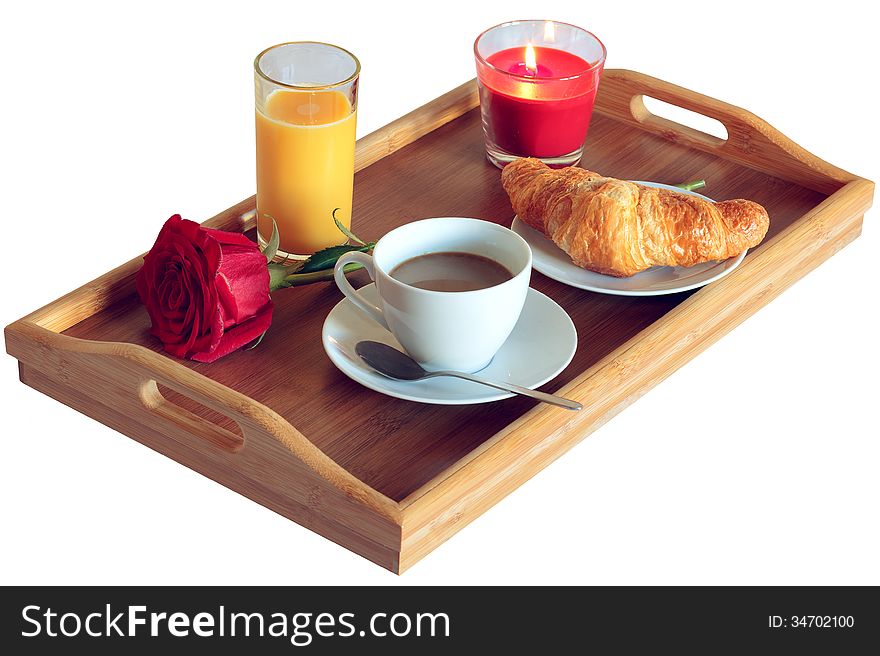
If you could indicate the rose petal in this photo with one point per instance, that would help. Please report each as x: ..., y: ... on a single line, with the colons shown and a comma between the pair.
x: 244, y: 272
x: 238, y: 336
x: 224, y: 237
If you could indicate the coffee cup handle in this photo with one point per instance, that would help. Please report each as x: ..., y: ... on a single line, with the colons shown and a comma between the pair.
x: 372, y: 311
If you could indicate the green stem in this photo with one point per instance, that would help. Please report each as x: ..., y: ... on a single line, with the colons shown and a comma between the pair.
x: 693, y: 185
x: 299, y: 279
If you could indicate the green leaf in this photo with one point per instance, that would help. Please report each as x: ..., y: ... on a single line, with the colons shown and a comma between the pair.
x: 693, y: 185
x: 327, y: 258
x: 272, y: 245
x: 256, y: 341
x: 345, y: 231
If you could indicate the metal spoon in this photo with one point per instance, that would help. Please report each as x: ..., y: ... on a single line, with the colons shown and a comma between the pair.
x: 392, y: 363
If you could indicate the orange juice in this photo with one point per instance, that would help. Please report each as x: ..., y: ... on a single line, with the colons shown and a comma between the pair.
x: 305, y: 167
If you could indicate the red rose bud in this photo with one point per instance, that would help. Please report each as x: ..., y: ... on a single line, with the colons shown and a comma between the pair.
x: 206, y: 291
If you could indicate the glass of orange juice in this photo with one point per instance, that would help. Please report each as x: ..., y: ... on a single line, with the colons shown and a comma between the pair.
x: 306, y: 108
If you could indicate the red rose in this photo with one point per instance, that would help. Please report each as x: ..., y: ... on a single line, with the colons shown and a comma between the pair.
x: 207, y: 291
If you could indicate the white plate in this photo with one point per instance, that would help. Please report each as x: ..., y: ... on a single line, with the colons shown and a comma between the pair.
x: 554, y: 263
x: 541, y: 345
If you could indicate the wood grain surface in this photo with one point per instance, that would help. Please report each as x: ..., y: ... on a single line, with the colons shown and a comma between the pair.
x: 392, y: 479
x: 396, y: 446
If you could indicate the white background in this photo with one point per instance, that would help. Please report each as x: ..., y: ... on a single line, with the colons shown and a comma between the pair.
x: 756, y: 463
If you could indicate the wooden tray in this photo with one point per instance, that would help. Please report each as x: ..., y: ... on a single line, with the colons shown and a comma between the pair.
x: 392, y: 479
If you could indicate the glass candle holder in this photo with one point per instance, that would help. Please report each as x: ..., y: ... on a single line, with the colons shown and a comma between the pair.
x: 306, y: 109
x: 538, y: 81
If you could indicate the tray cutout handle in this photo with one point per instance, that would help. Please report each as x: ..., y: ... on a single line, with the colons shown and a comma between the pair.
x: 751, y: 141
x: 666, y: 116
x: 200, y: 427
x: 623, y: 95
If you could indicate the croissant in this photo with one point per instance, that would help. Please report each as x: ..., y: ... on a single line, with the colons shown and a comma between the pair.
x: 620, y: 228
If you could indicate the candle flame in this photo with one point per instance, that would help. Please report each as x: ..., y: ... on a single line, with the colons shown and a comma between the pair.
x: 531, y: 60
x: 549, y: 32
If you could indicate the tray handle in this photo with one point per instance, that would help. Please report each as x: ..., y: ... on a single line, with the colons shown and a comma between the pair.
x: 142, y: 371
x: 153, y: 400
x: 679, y: 131
x: 126, y: 378
x: 750, y: 141
x: 258, y: 424
x: 622, y: 93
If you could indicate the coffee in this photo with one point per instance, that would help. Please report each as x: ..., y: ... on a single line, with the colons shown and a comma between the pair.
x: 451, y: 272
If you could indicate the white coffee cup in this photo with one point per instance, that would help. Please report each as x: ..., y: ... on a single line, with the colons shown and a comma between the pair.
x: 461, y: 331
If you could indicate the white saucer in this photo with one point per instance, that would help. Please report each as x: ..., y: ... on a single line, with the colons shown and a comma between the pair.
x: 554, y: 263
x: 541, y: 345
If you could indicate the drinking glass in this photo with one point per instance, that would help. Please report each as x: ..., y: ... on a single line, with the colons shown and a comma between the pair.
x: 306, y: 109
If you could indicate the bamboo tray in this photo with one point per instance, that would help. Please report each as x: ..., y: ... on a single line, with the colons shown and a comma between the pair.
x: 390, y: 479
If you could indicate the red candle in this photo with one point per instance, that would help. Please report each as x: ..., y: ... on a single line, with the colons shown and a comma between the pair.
x: 529, y: 117
x: 536, y: 99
